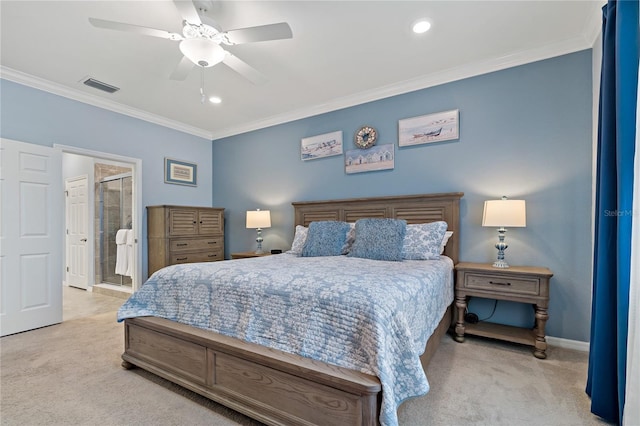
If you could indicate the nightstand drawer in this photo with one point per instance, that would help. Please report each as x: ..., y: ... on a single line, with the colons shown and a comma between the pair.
x: 502, y: 283
x: 178, y: 245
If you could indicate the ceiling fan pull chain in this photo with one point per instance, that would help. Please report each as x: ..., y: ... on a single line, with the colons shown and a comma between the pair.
x: 202, y: 96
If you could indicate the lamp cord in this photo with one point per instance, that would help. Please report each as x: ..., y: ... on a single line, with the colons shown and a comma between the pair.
x: 495, y: 304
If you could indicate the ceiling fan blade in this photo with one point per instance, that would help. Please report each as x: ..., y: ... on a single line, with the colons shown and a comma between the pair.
x: 244, y: 69
x: 260, y: 33
x: 182, y: 70
x: 188, y: 11
x: 120, y: 26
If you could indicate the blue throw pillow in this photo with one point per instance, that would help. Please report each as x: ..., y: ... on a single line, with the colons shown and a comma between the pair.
x: 379, y: 239
x: 325, y: 239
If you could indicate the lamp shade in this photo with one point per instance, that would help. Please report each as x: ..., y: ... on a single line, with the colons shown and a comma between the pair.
x: 504, y: 213
x: 258, y: 219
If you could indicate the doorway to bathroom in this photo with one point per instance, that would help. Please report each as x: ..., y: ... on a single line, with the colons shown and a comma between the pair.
x: 114, y: 223
x: 113, y: 203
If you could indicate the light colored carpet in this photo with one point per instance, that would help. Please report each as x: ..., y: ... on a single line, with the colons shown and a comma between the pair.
x: 70, y: 374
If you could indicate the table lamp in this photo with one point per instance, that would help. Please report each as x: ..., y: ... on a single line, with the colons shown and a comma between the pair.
x: 503, y: 213
x: 258, y: 219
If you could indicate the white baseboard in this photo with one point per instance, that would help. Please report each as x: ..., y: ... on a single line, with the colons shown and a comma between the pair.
x: 568, y: 344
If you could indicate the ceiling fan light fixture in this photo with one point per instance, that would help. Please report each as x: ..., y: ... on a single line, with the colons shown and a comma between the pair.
x: 202, y: 51
x: 215, y: 100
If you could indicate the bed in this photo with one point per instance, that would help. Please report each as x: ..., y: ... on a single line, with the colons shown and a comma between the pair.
x: 272, y: 385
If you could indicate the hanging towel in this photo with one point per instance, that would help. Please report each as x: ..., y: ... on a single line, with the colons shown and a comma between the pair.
x: 121, y: 252
x: 121, y: 236
x: 129, y: 245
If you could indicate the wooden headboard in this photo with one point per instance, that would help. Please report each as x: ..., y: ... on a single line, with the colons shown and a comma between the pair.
x: 412, y: 208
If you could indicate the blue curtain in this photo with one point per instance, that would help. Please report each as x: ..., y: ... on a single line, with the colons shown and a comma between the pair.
x: 613, y: 216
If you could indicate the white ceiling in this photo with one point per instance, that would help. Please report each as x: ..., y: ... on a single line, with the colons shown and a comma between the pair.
x: 343, y: 53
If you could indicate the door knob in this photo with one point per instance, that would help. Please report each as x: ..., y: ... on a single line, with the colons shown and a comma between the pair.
x: 84, y: 240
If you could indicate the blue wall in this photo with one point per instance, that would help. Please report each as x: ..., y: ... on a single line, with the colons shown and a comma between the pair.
x: 525, y: 132
x: 38, y: 117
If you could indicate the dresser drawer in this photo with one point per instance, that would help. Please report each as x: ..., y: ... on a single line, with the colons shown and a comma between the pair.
x: 186, y: 244
x: 502, y: 283
x: 207, y: 256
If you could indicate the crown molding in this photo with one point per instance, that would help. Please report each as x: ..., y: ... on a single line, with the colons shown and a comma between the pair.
x: 453, y: 74
x: 593, y: 27
x: 76, y: 95
x: 446, y: 76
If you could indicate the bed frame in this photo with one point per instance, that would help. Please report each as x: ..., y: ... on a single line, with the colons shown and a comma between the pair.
x: 271, y: 386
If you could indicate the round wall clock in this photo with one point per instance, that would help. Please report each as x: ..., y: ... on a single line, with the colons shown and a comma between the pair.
x: 366, y: 137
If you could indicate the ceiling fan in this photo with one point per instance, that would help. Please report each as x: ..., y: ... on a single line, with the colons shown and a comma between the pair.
x: 201, y: 44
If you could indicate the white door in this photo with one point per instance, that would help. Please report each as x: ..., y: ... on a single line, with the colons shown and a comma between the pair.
x: 30, y: 236
x: 77, y: 231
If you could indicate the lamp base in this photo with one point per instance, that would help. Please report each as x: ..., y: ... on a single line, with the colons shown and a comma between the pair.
x: 500, y: 263
x: 501, y: 246
x: 259, y: 240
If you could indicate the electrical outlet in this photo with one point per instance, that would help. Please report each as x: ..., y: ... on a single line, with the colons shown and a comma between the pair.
x: 471, y: 318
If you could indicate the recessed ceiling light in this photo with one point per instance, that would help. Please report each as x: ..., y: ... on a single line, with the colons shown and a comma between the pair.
x: 215, y: 100
x: 421, y: 26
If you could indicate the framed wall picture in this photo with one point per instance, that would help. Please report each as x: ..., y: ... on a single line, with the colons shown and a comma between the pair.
x: 380, y: 157
x: 320, y: 146
x: 441, y: 126
x: 180, y: 172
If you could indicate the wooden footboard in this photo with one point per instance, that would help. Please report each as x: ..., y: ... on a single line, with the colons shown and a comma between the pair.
x: 269, y: 385
x: 266, y: 384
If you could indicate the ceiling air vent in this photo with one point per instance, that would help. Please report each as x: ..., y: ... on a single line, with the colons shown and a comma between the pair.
x: 92, y: 82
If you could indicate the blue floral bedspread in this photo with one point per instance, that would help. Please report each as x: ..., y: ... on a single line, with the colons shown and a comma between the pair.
x: 367, y: 315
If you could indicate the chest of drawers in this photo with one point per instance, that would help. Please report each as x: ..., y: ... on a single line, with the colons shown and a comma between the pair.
x: 182, y: 234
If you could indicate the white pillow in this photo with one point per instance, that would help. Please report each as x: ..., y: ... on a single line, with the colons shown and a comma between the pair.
x: 351, y: 237
x: 299, y: 239
x: 447, y: 235
x: 423, y: 241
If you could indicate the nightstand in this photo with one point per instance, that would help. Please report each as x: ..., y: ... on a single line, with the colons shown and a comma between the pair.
x: 525, y: 284
x: 248, y: 254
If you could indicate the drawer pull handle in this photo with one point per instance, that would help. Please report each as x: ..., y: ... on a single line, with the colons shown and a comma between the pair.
x: 213, y: 255
x: 213, y: 242
x: 182, y: 258
x: 182, y: 244
x: 498, y: 283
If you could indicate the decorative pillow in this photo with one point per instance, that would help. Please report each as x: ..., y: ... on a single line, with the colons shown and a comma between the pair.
x: 299, y: 238
x: 446, y: 237
x: 423, y: 241
x: 325, y: 239
x: 379, y: 239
